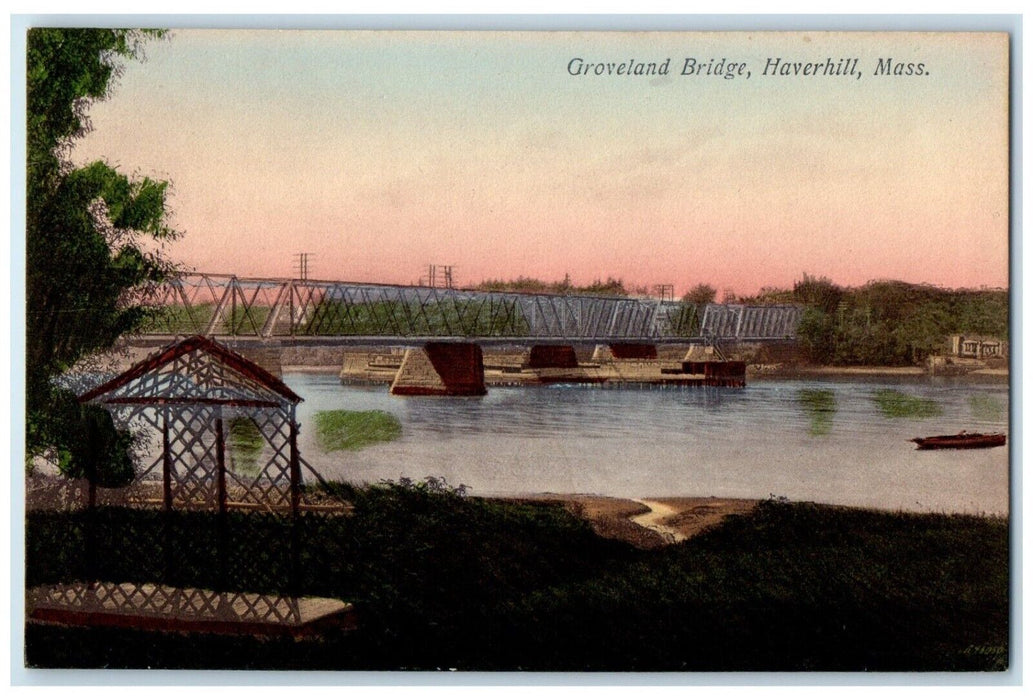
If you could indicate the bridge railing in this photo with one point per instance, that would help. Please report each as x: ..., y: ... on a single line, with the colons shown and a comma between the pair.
x: 226, y: 305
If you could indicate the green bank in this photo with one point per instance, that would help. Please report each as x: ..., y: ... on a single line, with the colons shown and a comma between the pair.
x: 441, y: 580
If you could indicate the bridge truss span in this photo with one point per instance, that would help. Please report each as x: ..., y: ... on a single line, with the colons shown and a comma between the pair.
x: 264, y: 308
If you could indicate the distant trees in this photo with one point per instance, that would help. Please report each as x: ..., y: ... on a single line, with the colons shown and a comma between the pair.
x: 890, y: 322
x: 700, y: 294
x: 818, y: 292
x: 91, y: 242
x: 884, y: 322
x: 528, y: 285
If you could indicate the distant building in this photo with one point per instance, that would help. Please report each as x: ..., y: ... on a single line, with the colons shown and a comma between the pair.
x: 978, y: 347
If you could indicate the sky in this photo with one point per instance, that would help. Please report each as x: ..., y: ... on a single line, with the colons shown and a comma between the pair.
x: 382, y: 152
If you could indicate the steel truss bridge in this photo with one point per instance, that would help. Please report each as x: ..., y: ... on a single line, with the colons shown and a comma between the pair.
x: 344, y: 313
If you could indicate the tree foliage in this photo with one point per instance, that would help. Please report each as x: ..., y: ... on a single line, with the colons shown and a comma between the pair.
x: 700, y: 294
x: 890, y: 322
x: 529, y: 285
x: 819, y: 292
x: 93, y: 239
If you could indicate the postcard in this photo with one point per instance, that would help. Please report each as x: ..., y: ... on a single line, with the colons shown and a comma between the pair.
x: 579, y: 351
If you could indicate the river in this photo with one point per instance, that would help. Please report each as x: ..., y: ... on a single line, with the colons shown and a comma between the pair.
x: 826, y: 440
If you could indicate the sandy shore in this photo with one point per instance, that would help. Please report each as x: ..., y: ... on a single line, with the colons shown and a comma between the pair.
x: 861, y: 371
x: 312, y: 369
x: 647, y: 523
x: 761, y: 372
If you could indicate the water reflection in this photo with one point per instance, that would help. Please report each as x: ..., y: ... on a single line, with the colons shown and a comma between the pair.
x: 562, y: 411
x: 986, y: 407
x: 820, y: 406
x: 896, y: 404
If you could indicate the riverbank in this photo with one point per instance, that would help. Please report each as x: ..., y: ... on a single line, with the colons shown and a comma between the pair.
x: 440, y: 581
x: 824, y: 371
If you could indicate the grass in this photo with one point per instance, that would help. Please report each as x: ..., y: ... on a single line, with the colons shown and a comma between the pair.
x: 897, y: 404
x: 444, y: 581
x: 820, y: 406
x: 354, y: 430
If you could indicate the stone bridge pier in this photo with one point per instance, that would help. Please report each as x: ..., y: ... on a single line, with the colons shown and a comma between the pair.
x: 457, y: 368
x: 441, y: 369
x: 551, y: 357
x: 625, y: 351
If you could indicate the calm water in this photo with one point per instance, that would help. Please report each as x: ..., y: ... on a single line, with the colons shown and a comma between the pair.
x: 825, y: 441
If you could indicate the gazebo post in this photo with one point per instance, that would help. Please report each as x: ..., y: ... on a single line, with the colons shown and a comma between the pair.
x: 295, y: 466
x: 166, y: 488
x: 166, y: 462
x: 220, y: 518
x: 295, y: 554
x: 91, y: 523
x: 220, y: 460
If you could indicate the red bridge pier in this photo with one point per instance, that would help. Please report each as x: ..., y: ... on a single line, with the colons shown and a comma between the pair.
x: 457, y: 369
x: 551, y: 357
x: 441, y: 369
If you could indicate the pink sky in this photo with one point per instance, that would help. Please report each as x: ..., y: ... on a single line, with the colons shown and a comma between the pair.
x: 380, y: 153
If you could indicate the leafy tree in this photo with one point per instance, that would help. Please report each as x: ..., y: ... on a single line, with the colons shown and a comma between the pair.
x: 888, y: 322
x: 700, y: 294
x: 769, y: 295
x: 817, y: 336
x: 93, y: 240
x: 819, y: 292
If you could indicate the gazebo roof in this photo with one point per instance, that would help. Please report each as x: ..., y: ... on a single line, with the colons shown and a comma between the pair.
x: 195, y: 370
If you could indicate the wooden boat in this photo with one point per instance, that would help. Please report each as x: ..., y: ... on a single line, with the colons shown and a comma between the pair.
x: 961, y: 441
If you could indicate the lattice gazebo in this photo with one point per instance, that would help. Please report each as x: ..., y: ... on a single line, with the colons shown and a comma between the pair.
x: 194, y: 393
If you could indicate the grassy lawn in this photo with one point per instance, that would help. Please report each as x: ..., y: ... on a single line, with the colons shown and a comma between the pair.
x: 444, y: 581
x: 353, y: 430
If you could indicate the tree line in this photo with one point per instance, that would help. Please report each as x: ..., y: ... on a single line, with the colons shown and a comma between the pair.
x: 528, y: 285
x: 887, y: 322
x: 883, y: 322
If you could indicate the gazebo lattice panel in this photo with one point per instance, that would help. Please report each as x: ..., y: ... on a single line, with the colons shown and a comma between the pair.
x: 191, y: 394
x: 153, y: 600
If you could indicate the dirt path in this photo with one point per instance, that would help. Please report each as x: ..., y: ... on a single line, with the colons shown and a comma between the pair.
x: 655, y: 517
x: 649, y: 522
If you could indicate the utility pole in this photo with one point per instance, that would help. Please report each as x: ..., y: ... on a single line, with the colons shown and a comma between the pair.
x: 301, y: 265
x: 442, y: 273
x: 664, y: 291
